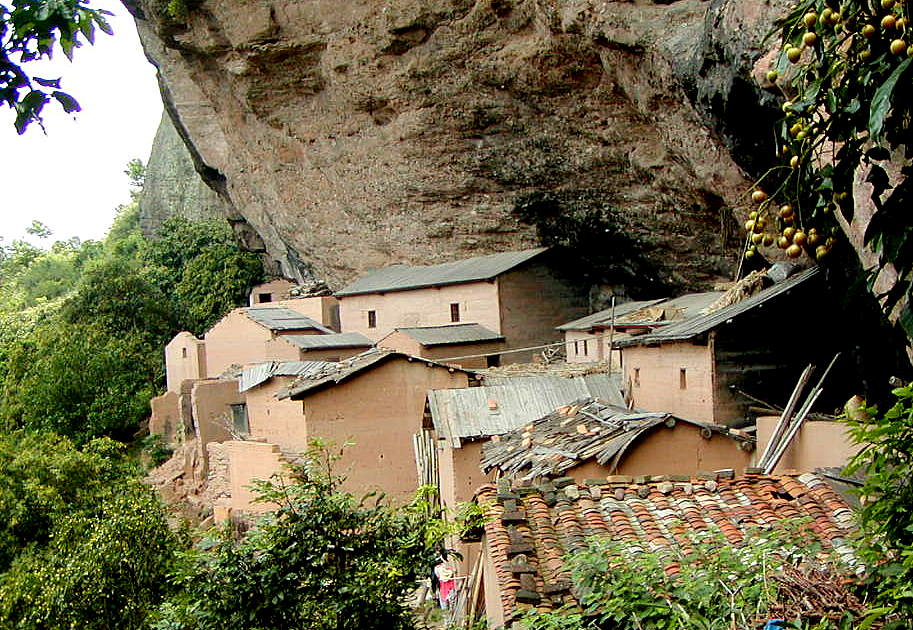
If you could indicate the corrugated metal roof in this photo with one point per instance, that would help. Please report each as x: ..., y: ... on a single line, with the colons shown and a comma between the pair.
x: 467, y: 413
x: 570, y: 435
x: 329, y: 342
x: 403, y: 277
x: 605, y: 316
x: 342, y: 370
x: 689, y: 328
x: 254, y: 375
x: 450, y: 334
x: 279, y: 318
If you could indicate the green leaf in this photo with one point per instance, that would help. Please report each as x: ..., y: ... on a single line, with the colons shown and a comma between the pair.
x: 881, y: 102
x: 68, y: 102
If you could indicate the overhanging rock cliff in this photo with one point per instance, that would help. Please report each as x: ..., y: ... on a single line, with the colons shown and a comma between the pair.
x: 350, y: 135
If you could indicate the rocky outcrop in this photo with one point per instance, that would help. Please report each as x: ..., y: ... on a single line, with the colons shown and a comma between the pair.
x: 172, y: 186
x: 353, y: 135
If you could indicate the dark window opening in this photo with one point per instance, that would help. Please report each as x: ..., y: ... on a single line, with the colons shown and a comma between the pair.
x: 262, y: 298
x: 683, y: 379
x: 636, y: 377
x: 183, y: 353
x: 493, y: 361
x: 584, y: 347
x: 455, y: 312
x: 576, y: 348
x: 372, y: 319
x: 239, y: 419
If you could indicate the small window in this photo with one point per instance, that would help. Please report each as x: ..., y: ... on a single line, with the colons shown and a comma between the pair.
x: 183, y: 353
x: 636, y: 377
x: 372, y: 319
x: 239, y: 419
x: 683, y: 378
x: 576, y: 348
x: 455, y: 312
x: 493, y: 360
x: 584, y: 347
x: 263, y: 298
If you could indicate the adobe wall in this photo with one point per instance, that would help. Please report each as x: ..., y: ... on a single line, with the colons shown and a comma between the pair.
x: 276, y: 289
x: 681, y: 450
x: 323, y: 309
x: 658, y: 387
x: 379, y: 410
x: 575, y: 354
x: 185, y: 359
x: 234, y: 466
x: 328, y: 354
x: 402, y: 342
x: 818, y: 444
x: 210, y: 400
x: 494, y: 607
x: 277, y: 421
x: 533, y: 300
x: 166, y: 416
x: 421, y: 307
x: 238, y: 340
x: 460, y: 475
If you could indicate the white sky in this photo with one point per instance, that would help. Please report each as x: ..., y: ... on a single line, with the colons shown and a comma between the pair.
x: 72, y: 179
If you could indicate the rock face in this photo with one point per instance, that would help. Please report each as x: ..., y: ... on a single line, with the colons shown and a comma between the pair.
x: 172, y: 187
x: 350, y: 135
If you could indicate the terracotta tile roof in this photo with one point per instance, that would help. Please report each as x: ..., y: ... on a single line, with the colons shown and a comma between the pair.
x: 584, y: 429
x: 532, y: 528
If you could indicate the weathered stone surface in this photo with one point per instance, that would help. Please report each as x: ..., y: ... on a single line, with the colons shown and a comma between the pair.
x: 353, y: 135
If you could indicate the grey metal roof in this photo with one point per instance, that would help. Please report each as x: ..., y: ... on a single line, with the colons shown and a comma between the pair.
x: 254, y: 375
x: 403, y: 277
x: 280, y: 318
x: 340, y: 371
x: 450, y: 334
x: 467, y: 413
x: 605, y: 316
x: 584, y: 429
x: 329, y: 342
x: 690, y: 328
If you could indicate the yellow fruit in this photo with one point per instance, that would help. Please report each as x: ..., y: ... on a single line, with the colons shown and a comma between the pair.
x: 812, y: 239
x: 898, y: 47
x: 865, y: 55
x: 759, y: 196
x: 788, y: 233
x: 794, y: 54
x: 750, y: 252
x: 888, y: 22
x: 810, y: 18
x: 809, y: 38
x: 757, y: 238
x: 782, y: 242
x: 802, y: 135
x: 749, y: 225
x: 793, y: 251
x: 786, y: 107
x: 821, y: 251
x: 794, y: 161
x: 760, y: 224
x: 901, y: 24
x: 772, y: 76
x: 769, y: 240
x: 799, y: 238
x: 887, y: 4
x: 753, y: 214
x: 786, y: 210
x: 868, y: 31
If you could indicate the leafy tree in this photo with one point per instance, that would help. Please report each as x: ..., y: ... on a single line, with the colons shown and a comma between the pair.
x: 325, y: 560
x: 39, y: 229
x: 32, y: 30
x: 886, y: 459
x: 80, y: 381
x: 845, y: 70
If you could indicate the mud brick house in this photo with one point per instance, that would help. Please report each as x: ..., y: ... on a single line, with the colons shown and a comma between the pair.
x: 695, y: 368
x: 245, y: 335
x: 450, y: 344
x: 590, y: 439
x: 587, y: 339
x: 533, y: 527
x: 460, y: 421
x: 272, y: 291
x: 374, y: 402
x: 520, y: 296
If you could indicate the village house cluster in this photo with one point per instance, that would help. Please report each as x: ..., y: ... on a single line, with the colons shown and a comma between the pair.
x: 444, y: 375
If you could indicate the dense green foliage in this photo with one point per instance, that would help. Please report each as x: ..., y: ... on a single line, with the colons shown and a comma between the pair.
x: 82, y: 325
x: 324, y: 560
x: 845, y: 71
x: 82, y: 542
x: 32, y: 30
x: 887, y: 513
x: 718, y: 587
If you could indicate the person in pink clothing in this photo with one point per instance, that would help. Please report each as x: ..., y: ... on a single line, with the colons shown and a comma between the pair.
x: 445, y: 577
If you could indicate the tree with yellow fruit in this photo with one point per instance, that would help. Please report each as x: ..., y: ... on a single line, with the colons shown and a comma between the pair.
x: 845, y: 72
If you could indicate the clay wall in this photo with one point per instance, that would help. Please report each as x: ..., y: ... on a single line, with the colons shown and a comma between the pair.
x: 234, y: 466
x: 655, y: 380
x: 277, y: 421
x: 270, y: 292
x: 402, y: 342
x: 185, y: 359
x: 533, y: 300
x: 583, y: 347
x: 210, y: 402
x: 459, y: 472
x: 323, y: 309
x: 238, y: 340
x: 819, y: 443
x: 378, y: 411
x: 478, y: 303
x: 329, y: 354
x: 166, y: 416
